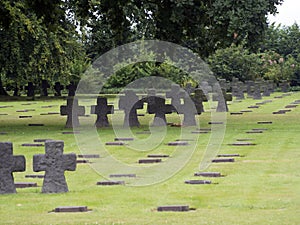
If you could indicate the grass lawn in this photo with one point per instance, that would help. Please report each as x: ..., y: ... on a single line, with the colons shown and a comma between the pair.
x: 262, y: 187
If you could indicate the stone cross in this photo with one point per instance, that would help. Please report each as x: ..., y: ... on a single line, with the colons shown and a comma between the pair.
x: 9, y: 164
x: 198, y: 98
x: 249, y: 84
x: 188, y: 88
x: 72, y: 110
x: 71, y: 88
x: 101, y: 110
x: 256, y: 91
x: 157, y: 105
x: 58, y: 88
x: 30, y: 89
x: 240, y: 87
x: 54, y: 163
x: 176, y: 95
x: 221, y: 97
x: 188, y: 110
x: 284, y: 85
x: 44, y: 88
x: 130, y: 103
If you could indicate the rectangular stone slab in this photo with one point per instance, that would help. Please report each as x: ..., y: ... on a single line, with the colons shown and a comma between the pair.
x: 82, y: 161
x: 178, y: 143
x: 157, y: 156
x: 41, y: 140
x: 278, y: 112
x: 34, y: 176
x: 25, y: 184
x: 122, y: 175
x: 290, y: 106
x: 173, y: 208
x: 242, y: 143
x: 36, y: 124
x: 215, y: 122
x: 3, y: 133
x: 223, y: 160
x: 89, y: 156
x: 21, y: 117
x: 197, y: 182
x: 31, y: 145
x: 204, y: 129
x: 245, y: 111
x: 118, y: 143
x: 254, y: 132
x: 71, y: 209
x: 109, y: 183
x: 199, y: 132
x: 149, y: 161
x: 228, y: 155
x: 208, y: 174
x: 71, y: 132
x: 245, y: 139
x: 264, y: 122
x: 236, y: 113
x: 124, y: 139
x: 253, y: 107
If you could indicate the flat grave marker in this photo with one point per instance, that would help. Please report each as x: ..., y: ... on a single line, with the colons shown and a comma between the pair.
x: 242, y: 143
x: 116, y: 143
x: 229, y: 155
x: 35, y: 176
x: 264, y: 122
x: 91, y: 156
x: 146, y: 161
x: 23, y: 117
x: 123, y: 175
x: 223, y: 160
x: 197, y: 182
x: 69, y: 209
x: 208, y: 174
x: 36, y: 124
x: 178, y: 143
x: 32, y: 145
x: 173, y: 208
x: 124, y: 139
x: 158, y: 156
x: 110, y: 183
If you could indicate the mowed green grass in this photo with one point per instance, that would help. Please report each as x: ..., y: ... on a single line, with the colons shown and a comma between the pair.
x: 263, y: 187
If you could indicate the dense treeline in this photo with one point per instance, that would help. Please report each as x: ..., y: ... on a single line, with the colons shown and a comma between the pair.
x: 57, y: 40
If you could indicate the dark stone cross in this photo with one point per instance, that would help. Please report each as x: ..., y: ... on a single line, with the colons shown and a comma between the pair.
x: 102, y: 109
x: 44, y: 88
x: 284, y: 85
x: 9, y: 164
x: 198, y: 98
x: 176, y: 94
x: 58, y: 88
x: 54, y: 163
x: 257, y: 90
x: 30, y: 89
x: 157, y: 105
x: 71, y: 88
x: 222, y: 97
x: 188, y: 110
x: 72, y: 110
x: 130, y: 103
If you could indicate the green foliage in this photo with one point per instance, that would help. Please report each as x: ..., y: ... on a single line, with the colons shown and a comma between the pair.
x: 235, y: 61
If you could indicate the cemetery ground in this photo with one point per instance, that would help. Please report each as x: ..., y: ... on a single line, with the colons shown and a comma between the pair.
x: 261, y: 187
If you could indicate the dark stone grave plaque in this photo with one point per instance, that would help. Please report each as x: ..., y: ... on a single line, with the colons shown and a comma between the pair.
x: 69, y: 209
x: 223, y: 160
x: 158, y: 156
x: 197, y: 182
x: 236, y: 113
x: 110, y: 183
x: 54, y: 163
x: 123, y: 175
x: 215, y: 122
x: 208, y: 174
x: 178, y: 143
x: 242, y: 143
x: 253, y: 107
x: 25, y: 184
x: 32, y: 145
x: 200, y: 132
x: 3, y: 133
x: 254, y: 132
x: 8, y: 165
x: 245, y: 139
x: 91, y: 156
x: 146, y: 161
x: 264, y: 122
x: 229, y: 155
x: 70, y: 132
x: 36, y: 124
x: 41, y: 140
x: 118, y: 143
x: 290, y: 106
x: 22, y: 117
x: 173, y: 208
x: 143, y: 132
x: 82, y: 161
x: 246, y: 111
x: 3, y: 114
x: 124, y: 139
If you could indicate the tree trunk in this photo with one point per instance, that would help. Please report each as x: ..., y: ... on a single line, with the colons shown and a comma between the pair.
x: 2, y: 90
